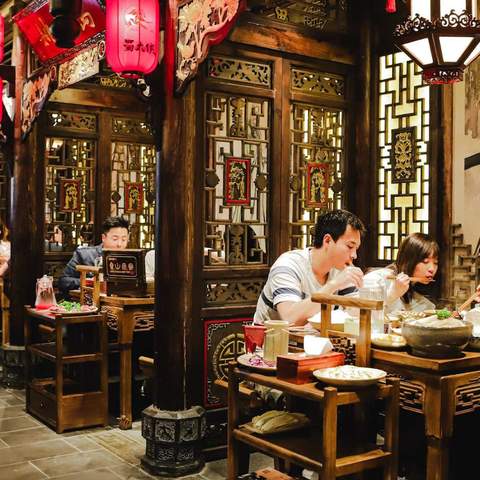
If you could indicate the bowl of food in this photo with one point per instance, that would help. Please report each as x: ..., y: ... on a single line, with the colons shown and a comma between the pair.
x: 437, y: 336
x: 349, y: 376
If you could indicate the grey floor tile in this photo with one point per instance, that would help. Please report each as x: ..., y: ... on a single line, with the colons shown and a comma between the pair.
x: 10, y: 412
x: 100, y: 474
x: 135, y: 435
x: 11, y: 401
x: 17, y: 423
x: 83, y: 443
x: 119, y: 444
x: 21, y: 471
x: 34, y: 451
x: 218, y: 470
x: 77, y: 462
x: 29, y: 435
x: 127, y: 472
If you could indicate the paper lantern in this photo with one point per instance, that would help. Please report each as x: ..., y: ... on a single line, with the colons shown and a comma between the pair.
x: 132, y: 36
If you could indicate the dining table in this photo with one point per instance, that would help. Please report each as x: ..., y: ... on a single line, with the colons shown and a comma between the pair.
x: 438, y: 389
x: 125, y: 315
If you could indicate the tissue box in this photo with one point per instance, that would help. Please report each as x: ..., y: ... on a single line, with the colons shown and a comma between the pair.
x: 298, y: 367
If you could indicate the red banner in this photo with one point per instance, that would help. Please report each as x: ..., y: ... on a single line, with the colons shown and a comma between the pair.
x: 34, y: 22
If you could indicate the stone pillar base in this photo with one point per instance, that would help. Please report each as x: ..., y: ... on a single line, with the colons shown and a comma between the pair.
x: 13, y: 362
x: 173, y: 441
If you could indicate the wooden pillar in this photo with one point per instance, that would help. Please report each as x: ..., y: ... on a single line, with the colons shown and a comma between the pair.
x: 26, y: 206
x: 363, y: 162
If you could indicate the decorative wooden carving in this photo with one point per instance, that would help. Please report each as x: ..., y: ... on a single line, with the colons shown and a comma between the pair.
x: 403, y: 155
x: 243, y: 71
x: 82, y: 66
x: 70, y: 195
x: 198, y: 25
x: 133, y: 197
x: 223, y: 342
x: 467, y: 397
x: 233, y: 292
x: 35, y: 93
x: 237, y: 181
x: 318, y: 180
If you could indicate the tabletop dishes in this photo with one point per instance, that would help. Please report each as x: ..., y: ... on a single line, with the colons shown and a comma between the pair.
x: 349, y: 376
x: 437, y: 338
x: 256, y: 362
x: 388, y: 341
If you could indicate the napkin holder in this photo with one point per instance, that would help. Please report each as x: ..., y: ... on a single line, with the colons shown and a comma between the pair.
x: 124, y: 272
x: 298, y: 368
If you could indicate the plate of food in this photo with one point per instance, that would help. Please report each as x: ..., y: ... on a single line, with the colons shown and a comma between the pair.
x: 256, y: 362
x: 349, y: 376
x: 389, y: 341
x: 276, y: 421
x: 72, y: 308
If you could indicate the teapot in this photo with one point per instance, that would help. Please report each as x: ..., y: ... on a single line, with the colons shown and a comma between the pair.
x: 45, y: 294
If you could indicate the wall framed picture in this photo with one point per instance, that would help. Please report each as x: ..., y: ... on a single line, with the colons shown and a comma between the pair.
x: 70, y: 195
x: 318, y: 181
x: 237, y: 181
x: 133, y: 197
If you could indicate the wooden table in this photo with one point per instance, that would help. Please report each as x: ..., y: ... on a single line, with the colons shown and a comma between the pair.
x: 439, y: 389
x: 126, y: 315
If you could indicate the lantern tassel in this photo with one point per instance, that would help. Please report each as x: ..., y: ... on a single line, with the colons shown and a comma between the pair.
x: 390, y: 7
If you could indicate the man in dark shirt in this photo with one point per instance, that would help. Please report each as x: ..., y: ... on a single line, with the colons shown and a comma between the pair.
x: 114, y: 237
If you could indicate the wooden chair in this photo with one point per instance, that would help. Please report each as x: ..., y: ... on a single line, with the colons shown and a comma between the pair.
x: 89, y: 294
x: 363, y: 340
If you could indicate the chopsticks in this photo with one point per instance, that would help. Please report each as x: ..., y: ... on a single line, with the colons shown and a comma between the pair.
x: 467, y: 302
x: 413, y: 279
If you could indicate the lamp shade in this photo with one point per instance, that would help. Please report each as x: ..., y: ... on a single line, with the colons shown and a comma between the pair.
x: 2, y: 37
x: 132, y: 36
x: 441, y: 36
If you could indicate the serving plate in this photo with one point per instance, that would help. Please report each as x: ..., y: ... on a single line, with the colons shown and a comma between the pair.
x: 349, y: 376
x: 256, y: 362
x: 85, y: 311
x: 388, y: 341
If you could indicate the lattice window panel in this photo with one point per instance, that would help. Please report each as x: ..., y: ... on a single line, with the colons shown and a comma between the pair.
x: 69, y: 161
x: 237, y: 180
x: 404, y: 102
x: 317, y: 136
x: 133, y: 170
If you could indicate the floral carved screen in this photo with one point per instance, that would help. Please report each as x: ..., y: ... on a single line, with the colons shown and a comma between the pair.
x: 316, y: 166
x: 133, y: 182
x: 403, y: 166
x: 236, y: 180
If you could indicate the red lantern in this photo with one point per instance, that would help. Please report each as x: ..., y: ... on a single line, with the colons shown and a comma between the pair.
x: 132, y: 33
x: 2, y: 37
x: 1, y: 99
x: 390, y: 7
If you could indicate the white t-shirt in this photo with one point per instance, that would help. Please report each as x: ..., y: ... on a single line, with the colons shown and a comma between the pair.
x: 291, y: 279
x: 418, y: 303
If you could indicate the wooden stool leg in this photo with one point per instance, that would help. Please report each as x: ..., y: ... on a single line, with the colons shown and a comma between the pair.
x: 391, y: 429
x: 233, y: 416
x: 329, y: 444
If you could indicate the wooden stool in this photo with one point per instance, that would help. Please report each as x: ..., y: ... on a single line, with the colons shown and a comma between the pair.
x: 89, y: 291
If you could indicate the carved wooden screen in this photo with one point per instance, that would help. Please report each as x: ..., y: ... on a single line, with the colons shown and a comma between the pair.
x: 237, y: 168
x: 403, y: 163
x: 70, y: 179
x: 133, y: 179
x: 317, y: 151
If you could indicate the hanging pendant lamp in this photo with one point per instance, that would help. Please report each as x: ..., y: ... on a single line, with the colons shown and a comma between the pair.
x: 441, y: 36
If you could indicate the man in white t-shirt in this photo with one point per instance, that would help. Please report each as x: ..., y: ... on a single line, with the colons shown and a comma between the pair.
x: 327, y: 267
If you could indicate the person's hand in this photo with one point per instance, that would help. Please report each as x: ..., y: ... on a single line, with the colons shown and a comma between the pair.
x: 400, y: 286
x: 477, y: 298
x: 348, y: 277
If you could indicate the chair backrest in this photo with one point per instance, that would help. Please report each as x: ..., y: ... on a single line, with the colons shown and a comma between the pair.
x: 363, y: 343
x: 89, y: 287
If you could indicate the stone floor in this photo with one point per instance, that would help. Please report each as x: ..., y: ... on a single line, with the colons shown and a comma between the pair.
x: 31, y: 451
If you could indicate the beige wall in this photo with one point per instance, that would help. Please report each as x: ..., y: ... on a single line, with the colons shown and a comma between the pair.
x: 466, y: 183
